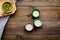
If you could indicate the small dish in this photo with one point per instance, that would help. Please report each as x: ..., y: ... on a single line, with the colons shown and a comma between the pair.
x: 2, y: 12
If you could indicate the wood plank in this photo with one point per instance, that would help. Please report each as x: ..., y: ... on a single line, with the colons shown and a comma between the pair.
x: 27, y: 0
x: 40, y: 0
x: 42, y: 37
x: 9, y: 37
x: 24, y: 0
x: 46, y: 0
x: 43, y: 4
x: 31, y: 37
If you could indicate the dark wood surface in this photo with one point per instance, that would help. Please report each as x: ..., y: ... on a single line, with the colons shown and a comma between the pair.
x: 50, y: 15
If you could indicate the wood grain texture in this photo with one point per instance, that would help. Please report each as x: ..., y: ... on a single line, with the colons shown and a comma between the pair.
x: 32, y: 37
x: 50, y: 15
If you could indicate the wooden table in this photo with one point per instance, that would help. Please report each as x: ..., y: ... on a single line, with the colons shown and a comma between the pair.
x: 50, y: 15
